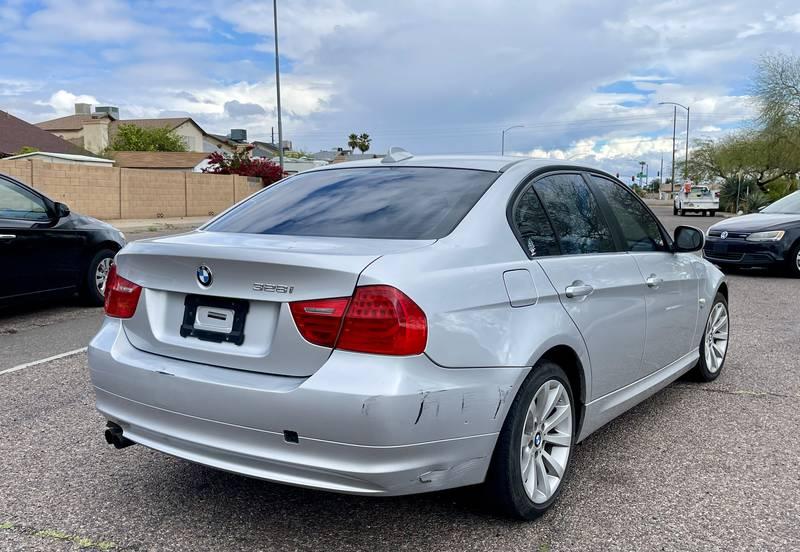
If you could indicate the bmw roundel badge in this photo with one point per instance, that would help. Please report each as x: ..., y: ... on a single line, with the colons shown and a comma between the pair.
x: 204, y: 276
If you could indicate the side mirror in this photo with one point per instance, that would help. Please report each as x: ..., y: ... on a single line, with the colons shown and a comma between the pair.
x: 60, y: 210
x: 688, y: 239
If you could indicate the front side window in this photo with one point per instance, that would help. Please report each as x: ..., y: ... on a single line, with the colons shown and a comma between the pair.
x: 18, y: 203
x: 412, y: 203
x: 534, y: 230
x: 639, y: 228
x: 575, y: 215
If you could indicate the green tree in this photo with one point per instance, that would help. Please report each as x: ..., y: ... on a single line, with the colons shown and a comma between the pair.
x: 352, y: 141
x: 136, y: 138
x: 364, y: 142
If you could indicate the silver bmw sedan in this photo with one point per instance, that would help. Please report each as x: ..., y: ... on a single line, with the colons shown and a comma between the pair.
x: 406, y: 324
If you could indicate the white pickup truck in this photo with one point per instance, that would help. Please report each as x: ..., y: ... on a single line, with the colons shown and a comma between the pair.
x: 699, y: 199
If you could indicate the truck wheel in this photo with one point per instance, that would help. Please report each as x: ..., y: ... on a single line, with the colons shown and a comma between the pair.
x: 713, y: 213
x: 674, y: 211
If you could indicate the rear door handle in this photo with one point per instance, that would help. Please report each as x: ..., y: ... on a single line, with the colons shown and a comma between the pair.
x: 654, y: 281
x: 7, y: 236
x: 578, y: 290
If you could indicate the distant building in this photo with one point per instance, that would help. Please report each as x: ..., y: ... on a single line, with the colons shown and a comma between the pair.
x: 16, y: 134
x: 159, y: 160
x: 65, y: 158
x: 94, y: 131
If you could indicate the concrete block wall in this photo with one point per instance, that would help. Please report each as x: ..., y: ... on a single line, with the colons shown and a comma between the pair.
x: 111, y: 193
x: 208, y: 194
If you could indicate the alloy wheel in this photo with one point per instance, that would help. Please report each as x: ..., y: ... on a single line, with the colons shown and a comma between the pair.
x: 546, y: 441
x: 101, y: 274
x: 716, y: 338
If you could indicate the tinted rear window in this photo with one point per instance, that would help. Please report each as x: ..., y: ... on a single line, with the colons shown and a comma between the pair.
x: 375, y: 202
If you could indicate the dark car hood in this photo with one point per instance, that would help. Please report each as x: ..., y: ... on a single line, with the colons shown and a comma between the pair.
x: 757, y: 221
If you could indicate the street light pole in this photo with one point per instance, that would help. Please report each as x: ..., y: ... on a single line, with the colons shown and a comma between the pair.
x: 686, y: 159
x: 674, y: 118
x: 278, y: 84
x: 503, y: 138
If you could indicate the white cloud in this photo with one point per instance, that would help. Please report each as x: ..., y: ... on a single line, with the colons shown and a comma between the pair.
x: 63, y: 102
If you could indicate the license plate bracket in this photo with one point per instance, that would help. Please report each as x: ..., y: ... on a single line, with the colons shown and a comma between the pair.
x: 210, y: 310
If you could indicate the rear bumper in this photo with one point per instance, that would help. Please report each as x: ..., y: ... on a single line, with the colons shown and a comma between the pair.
x: 743, y: 253
x: 366, y: 424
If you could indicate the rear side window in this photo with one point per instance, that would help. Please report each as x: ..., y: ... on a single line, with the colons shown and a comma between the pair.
x: 411, y: 203
x: 534, y: 230
x: 575, y: 214
x: 639, y: 227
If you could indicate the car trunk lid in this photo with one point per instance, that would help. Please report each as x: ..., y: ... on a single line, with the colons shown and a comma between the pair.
x: 252, y: 277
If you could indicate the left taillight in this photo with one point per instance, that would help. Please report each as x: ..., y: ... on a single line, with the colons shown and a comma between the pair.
x: 121, y: 295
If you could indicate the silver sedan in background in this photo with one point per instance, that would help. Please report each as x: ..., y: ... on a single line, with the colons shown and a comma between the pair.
x: 406, y: 325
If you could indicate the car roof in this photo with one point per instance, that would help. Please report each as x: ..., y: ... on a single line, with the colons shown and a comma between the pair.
x: 493, y: 163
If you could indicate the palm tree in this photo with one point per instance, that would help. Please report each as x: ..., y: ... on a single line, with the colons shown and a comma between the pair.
x: 352, y: 142
x: 363, y: 142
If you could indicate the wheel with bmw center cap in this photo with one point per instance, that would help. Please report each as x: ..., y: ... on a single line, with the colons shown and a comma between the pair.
x: 534, y: 448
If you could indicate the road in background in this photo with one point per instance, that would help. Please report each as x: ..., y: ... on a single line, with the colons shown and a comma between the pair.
x: 696, y: 467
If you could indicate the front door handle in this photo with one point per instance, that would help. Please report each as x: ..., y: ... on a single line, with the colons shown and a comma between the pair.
x: 654, y: 281
x: 7, y: 236
x: 578, y: 289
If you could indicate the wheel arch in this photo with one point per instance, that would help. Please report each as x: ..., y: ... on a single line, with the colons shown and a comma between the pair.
x: 569, y: 361
x: 723, y: 289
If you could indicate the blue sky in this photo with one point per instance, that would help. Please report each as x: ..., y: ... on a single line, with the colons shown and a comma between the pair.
x: 584, y: 78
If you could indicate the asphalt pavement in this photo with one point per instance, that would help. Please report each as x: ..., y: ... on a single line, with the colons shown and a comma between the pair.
x: 696, y: 467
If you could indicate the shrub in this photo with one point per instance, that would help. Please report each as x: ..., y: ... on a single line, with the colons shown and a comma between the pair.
x: 243, y: 164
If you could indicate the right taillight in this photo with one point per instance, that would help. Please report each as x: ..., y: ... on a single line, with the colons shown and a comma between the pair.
x: 121, y: 295
x: 377, y: 319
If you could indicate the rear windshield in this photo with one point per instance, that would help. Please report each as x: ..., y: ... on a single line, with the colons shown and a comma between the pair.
x: 411, y: 203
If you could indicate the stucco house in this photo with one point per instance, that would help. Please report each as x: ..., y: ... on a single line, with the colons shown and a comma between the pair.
x: 16, y: 134
x: 94, y: 131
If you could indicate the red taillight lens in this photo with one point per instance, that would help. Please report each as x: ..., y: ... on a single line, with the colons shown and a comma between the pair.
x: 121, y: 295
x: 319, y: 320
x: 377, y: 319
x: 385, y: 321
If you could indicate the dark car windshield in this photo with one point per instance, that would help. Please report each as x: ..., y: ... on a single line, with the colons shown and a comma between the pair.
x: 371, y: 202
x: 786, y: 205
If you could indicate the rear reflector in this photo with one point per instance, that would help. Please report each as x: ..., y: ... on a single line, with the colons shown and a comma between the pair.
x: 377, y: 319
x: 319, y: 320
x: 121, y: 295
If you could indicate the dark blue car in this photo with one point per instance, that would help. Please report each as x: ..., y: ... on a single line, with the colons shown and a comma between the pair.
x: 770, y: 238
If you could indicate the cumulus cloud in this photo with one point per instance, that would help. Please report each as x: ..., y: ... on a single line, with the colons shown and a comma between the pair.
x: 446, y: 76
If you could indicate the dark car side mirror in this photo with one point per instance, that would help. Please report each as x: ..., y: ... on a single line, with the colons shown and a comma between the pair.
x: 688, y: 239
x: 60, y: 210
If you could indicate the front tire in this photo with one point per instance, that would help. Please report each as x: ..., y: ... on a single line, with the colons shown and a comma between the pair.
x: 533, y: 452
x: 94, y: 280
x: 674, y: 211
x: 714, y: 347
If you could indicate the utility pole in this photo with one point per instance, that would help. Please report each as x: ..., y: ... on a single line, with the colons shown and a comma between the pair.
x: 278, y: 84
x: 661, y: 175
x: 686, y: 164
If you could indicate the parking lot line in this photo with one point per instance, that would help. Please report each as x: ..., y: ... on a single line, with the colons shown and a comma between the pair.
x: 42, y: 361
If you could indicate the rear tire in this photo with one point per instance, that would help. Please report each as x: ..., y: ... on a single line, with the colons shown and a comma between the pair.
x: 713, y: 213
x: 94, y: 278
x: 793, y: 262
x: 714, y: 346
x: 532, y: 457
x: 674, y: 211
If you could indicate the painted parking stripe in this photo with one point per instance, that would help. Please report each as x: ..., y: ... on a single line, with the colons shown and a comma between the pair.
x: 42, y: 361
